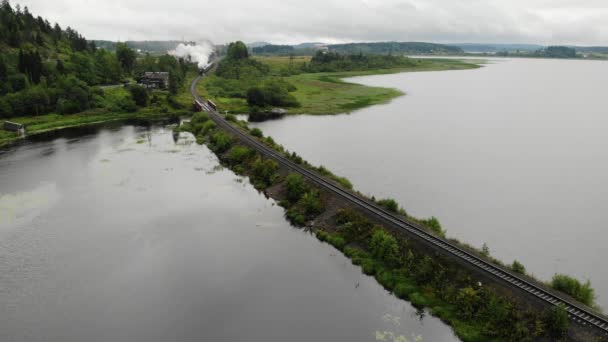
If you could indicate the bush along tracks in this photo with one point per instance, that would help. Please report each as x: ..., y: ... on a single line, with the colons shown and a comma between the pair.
x: 477, y: 309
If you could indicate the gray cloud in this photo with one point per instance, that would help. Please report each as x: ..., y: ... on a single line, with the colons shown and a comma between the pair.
x: 291, y: 21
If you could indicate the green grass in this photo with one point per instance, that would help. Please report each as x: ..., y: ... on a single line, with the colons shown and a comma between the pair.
x: 327, y: 93
x: 51, y: 122
x: 280, y: 64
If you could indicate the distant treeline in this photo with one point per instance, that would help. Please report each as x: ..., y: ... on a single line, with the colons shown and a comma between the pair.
x: 151, y: 46
x: 273, y: 50
x: 388, y: 48
x: 548, y: 52
x: 384, y: 48
x: 334, y: 61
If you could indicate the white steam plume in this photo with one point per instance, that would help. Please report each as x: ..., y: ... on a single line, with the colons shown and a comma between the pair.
x: 199, y: 52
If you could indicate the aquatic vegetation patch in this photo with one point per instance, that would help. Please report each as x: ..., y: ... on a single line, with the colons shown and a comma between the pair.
x: 25, y: 206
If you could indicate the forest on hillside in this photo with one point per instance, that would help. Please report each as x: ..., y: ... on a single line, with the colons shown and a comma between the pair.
x: 45, y: 68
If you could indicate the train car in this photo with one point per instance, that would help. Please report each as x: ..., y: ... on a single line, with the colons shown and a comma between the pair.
x: 199, y: 105
x: 212, y: 105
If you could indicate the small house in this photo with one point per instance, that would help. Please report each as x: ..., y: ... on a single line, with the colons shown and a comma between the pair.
x: 155, y: 80
x: 14, y: 127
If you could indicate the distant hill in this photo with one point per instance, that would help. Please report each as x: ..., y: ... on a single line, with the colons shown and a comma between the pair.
x: 492, y: 48
x: 384, y: 48
x: 590, y: 49
x: 257, y: 44
x: 149, y: 46
x: 311, y: 45
x: 524, y: 49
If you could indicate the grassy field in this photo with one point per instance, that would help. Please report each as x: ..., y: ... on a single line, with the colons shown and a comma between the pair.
x: 326, y: 93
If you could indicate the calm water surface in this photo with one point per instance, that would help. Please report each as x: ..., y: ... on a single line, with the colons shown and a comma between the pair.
x: 514, y: 155
x: 126, y: 235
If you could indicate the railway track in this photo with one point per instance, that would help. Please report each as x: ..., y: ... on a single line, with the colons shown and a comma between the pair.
x: 576, y: 312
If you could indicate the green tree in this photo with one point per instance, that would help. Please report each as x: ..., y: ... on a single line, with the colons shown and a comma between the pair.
x: 17, y: 82
x: 256, y: 97
x: 140, y: 95
x: 237, y: 50
x: 126, y: 56
x: 295, y: 187
x: 3, y: 71
x: 582, y: 292
x: 60, y: 67
x: 385, y: 247
x: 108, y: 67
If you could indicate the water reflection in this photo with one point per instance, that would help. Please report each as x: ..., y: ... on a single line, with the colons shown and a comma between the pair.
x: 155, y: 241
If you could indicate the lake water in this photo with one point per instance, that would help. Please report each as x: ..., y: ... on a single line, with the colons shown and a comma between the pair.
x: 514, y: 154
x: 127, y: 235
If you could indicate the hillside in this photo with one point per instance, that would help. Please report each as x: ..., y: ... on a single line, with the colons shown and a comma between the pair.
x: 52, y: 76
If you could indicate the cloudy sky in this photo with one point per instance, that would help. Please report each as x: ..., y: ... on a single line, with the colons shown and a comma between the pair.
x: 583, y: 22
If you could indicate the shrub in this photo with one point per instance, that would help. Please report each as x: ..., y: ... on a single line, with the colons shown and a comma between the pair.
x: 295, y: 187
x: 199, y: 117
x: 220, y: 142
x: 368, y: 266
x: 264, y: 172
x: 384, y: 247
x: 270, y: 142
x: 126, y: 104
x: 581, y: 292
x: 207, y: 127
x: 518, y: 267
x: 434, y: 225
x: 390, y: 204
x: 469, y: 301
x: 311, y: 203
x: 231, y: 118
x: 272, y: 92
x: 354, y: 226
x: 296, y: 217
x: 485, y: 250
x: 239, y: 154
x: 333, y: 239
x: 337, y: 241
x: 256, y: 132
x: 344, y: 182
x: 403, y: 290
x: 557, y: 321
x: 324, y: 171
x: 296, y: 158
